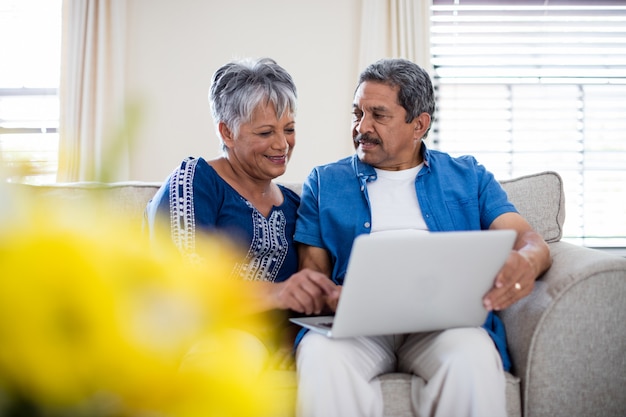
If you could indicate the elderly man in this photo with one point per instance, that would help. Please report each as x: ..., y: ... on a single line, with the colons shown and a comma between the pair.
x: 394, y: 182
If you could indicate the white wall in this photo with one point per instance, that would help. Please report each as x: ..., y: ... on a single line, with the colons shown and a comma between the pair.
x: 175, y: 46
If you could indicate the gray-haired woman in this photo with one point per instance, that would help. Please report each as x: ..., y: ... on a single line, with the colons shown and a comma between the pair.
x: 253, y: 103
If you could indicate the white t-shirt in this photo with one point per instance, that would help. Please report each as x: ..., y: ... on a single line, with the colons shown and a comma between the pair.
x: 394, y: 201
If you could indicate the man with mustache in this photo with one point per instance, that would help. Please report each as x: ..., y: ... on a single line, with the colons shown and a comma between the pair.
x: 394, y: 181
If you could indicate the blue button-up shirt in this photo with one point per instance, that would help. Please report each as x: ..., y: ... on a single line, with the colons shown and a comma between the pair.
x: 453, y: 194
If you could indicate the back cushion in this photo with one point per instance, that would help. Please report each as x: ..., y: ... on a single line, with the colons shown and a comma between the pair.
x: 540, y: 200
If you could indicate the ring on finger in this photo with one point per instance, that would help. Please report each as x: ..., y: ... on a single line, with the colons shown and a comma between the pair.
x: 518, y: 286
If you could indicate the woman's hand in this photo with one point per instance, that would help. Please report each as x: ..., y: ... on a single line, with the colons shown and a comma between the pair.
x: 307, y: 292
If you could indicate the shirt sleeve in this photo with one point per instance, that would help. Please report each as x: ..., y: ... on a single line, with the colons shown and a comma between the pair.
x: 308, y: 229
x: 493, y: 199
x: 186, y: 200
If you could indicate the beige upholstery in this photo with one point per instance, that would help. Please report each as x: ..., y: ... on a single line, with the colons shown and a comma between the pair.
x: 567, y: 339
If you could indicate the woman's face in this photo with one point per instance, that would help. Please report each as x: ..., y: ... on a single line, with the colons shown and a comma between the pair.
x: 263, y: 146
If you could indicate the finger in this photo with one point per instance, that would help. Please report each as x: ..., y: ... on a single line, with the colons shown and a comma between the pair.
x: 305, y: 303
x: 323, y: 282
x: 507, y: 270
x: 293, y: 302
x: 499, y: 294
x: 315, y: 289
x: 292, y: 296
x: 333, y: 301
x: 313, y: 295
x: 499, y: 281
x: 308, y: 291
x: 511, y: 295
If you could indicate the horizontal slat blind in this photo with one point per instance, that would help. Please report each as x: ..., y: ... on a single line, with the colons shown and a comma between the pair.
x: 527, y: 86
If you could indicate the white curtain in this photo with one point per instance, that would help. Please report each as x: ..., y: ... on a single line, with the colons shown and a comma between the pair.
x: 395, y: 29
x: 91, y: 147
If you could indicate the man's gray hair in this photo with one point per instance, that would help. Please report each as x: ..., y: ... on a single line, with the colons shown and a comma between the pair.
x: 415, y: 92
x: 238, y: 87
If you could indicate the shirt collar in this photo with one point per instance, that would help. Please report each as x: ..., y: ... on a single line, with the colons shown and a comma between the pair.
x: 425, y: 154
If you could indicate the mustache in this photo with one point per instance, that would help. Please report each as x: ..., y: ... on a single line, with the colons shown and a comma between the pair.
x: 366, y: 138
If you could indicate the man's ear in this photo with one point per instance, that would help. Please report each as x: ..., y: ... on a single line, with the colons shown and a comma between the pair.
x: 226, y: 134
x: 422, y: 123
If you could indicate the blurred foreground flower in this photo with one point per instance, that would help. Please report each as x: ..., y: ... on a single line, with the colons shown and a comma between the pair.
x: 94, y: 321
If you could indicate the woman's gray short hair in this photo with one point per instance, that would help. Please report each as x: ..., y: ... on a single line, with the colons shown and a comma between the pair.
x: 238, y: 87
x: 415, y: 92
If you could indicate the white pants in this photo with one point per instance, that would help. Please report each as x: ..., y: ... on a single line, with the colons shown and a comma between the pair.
x: 457, y: 372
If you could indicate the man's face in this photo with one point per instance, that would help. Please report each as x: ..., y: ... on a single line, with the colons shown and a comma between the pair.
x: 381, y: 135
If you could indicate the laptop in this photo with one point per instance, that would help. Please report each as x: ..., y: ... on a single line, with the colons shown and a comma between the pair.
x: 408, y: 281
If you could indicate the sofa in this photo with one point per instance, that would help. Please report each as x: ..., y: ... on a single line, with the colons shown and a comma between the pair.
x: 567, y: 339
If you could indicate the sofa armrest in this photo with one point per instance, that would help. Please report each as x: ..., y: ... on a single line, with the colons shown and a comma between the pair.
x: 567, y: 339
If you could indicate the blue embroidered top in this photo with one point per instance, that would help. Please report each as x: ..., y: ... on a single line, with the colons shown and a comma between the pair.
x: 196, y: 197
x: 453, y: 194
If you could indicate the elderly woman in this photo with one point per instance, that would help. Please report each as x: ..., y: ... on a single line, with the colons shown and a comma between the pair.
x: 253, y: 104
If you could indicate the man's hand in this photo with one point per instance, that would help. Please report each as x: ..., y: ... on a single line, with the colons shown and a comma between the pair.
x: 307, y: 292
x: 529, y: 258
x: 515, y: 281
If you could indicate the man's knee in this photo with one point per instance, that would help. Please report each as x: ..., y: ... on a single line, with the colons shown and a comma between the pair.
x: 462, y: 350
x: 469, y: 349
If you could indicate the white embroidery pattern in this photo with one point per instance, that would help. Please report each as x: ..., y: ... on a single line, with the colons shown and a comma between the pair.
x: 268, y: 248
x: 182, y: 216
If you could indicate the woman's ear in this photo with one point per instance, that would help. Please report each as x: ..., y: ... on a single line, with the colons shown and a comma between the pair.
x: 226, y: 134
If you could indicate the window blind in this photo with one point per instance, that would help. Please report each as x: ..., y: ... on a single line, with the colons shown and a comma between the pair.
x: 527, y: 86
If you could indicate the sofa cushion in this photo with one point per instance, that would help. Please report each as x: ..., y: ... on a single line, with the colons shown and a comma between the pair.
x: 127, y: 200
x: 540, y: 199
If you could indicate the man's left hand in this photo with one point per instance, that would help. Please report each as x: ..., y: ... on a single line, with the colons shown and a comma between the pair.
x: 515, y: 281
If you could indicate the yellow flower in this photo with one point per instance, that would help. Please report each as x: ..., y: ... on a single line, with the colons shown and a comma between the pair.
x: 94, y: 321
